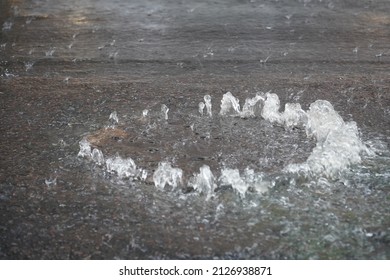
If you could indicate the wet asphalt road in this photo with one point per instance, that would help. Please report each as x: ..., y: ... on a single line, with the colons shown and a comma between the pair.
x: 65, y: 66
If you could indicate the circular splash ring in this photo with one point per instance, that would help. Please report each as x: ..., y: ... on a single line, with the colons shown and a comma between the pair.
x: 338, y: 145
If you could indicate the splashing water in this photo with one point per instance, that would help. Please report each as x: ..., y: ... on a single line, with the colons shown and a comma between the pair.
x: 271, y: 108
x: 201, y: 108
x: 207, y: 100
x: 28, y: 65
x: 50, y: 52
x: 124, y: 168
x: 294, y: 116
x: 338, y: 147
x: 338, y: 143
x: 231, y: 177
x: 242, y: 184
x: 164, y: 111
x: 97, y: 156
x: 230, y: 106
x: 7, y: 26
x: 167, y: 175
x: 114, y: 118
x: 204, y: 182
x: 252, y: 106
x: 85, y: 149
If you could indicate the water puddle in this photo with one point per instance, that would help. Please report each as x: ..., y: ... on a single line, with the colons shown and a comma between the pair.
x: 123, y: 142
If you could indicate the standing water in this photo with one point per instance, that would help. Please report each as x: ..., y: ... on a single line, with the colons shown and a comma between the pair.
x: 166, y: 130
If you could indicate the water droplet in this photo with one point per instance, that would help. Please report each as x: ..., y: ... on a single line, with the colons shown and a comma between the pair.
x: 164, y: 111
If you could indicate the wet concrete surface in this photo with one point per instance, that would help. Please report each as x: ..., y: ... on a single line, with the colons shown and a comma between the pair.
x: 65, y: 66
